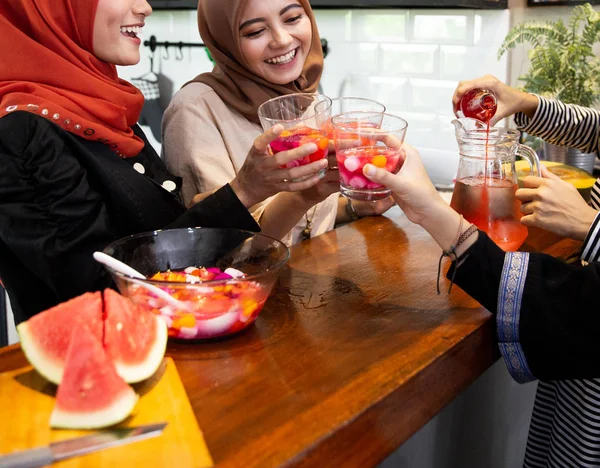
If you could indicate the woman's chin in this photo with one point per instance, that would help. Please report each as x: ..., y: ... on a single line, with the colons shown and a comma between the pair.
x: 283, y: 77
x: 127, y: 61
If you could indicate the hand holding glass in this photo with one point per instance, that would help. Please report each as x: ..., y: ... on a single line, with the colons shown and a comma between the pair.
x: 367, y: 137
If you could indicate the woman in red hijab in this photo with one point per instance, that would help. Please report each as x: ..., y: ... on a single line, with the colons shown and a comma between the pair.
x: 76, y: 172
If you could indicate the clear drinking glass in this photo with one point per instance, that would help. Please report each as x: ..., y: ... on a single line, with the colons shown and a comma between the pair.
x: 303, y: 116
x: 345, y: 104
x: 367, y: 137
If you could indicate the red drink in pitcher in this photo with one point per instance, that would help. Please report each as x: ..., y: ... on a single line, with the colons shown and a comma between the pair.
x: 491, y: 205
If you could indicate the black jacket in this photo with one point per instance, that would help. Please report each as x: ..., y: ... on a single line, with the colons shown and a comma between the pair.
x: 63, y: 197
x: 553, y: 308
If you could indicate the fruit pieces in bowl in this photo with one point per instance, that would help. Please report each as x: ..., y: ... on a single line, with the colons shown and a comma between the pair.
x: 222, y: 277
x: 212, y: 310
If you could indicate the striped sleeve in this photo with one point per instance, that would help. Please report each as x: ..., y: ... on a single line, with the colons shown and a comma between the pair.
x: 591, y: 245
x: 595, y: 197
x: 563, y: 124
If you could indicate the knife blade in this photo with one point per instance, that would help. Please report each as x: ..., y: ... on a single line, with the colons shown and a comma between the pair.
x: 63, y: 449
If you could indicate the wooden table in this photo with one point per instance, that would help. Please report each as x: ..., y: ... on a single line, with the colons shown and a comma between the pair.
x: 353, y: 353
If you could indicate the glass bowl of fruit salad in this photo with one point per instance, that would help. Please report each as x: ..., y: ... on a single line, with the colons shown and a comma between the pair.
x: 217, y: 280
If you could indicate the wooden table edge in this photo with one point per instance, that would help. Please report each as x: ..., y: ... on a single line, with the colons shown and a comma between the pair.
x: 478, y: 348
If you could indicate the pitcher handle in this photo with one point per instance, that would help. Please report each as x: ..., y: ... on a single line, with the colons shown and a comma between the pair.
x: 532, y: 158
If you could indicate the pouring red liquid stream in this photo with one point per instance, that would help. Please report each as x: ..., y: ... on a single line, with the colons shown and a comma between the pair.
x: 480, y: 104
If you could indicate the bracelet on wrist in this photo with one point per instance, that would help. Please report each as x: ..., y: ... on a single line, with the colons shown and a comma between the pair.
x: 350, y: 210
x: 461, y: 236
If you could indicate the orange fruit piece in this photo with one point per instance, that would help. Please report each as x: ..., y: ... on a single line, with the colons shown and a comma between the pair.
x: 379, y: 161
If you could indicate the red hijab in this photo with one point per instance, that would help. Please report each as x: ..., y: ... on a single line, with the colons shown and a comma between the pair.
x: 47, y: 67
x: 240, y: 88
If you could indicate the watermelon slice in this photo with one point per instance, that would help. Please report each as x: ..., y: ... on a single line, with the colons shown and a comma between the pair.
x: 91, y: 394
x: 45, y: 337
x: 134, y: 339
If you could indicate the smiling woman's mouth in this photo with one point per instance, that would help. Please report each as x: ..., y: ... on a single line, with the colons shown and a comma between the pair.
x: 283, y: 59
x: 131, y: 31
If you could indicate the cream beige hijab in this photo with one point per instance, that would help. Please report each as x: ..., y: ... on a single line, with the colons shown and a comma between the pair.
x: 232, y: 80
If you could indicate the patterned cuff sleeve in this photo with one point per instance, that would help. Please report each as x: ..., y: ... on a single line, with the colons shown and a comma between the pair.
x: 591, y: 245
x: 535, y: 124
x: 510, y: 295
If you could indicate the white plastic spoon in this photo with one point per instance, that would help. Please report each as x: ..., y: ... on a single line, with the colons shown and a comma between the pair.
x: 125, y: 269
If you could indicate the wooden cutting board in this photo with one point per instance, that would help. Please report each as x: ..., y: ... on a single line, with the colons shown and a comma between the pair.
x: 27, y: 399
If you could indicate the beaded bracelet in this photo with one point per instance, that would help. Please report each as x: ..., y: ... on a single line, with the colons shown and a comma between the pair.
x: 451, y: 252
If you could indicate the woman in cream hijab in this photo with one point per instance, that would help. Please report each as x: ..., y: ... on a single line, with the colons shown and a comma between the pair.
x: 262, y: 50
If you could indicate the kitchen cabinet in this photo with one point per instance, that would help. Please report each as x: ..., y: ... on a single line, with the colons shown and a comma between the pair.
x: 484, y: 4
x: 173, y: 4
x: 560, y: 2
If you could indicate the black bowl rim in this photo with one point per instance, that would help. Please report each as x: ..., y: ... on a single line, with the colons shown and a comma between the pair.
x: 212, y: 282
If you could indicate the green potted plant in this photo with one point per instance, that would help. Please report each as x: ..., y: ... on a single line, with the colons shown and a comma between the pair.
x: 563, y: 66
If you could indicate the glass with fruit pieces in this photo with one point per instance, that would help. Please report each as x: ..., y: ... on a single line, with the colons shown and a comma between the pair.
x: 303, y: 116
x: 362, y: 138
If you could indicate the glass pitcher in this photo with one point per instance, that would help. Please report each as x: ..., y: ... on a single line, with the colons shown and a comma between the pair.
x: 486, y: 182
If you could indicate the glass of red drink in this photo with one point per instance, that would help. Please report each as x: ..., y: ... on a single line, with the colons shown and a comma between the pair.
x: 367, y: 137
x: 303, y: 116
x: 484, y: 192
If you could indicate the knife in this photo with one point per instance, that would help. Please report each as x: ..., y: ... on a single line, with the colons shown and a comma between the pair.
x: 57, y: 451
